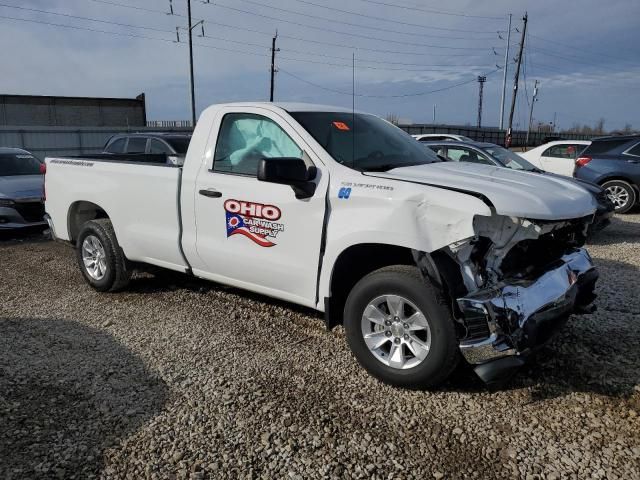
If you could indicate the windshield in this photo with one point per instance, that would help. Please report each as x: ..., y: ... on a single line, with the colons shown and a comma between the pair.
x: 364, y: 142
x: 179, y: 144
x: 509, y: 159
x: 18, y: 164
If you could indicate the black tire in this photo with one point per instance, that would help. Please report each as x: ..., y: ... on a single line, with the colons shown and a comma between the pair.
x: 118, y: 271
x: 406, y: 282
x: 627, y: 189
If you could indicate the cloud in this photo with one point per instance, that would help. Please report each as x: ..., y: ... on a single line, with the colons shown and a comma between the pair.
x: 593, y: 80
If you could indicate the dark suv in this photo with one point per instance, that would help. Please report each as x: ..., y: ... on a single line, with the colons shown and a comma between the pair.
x: 173, y: 145
x: 614, y: 163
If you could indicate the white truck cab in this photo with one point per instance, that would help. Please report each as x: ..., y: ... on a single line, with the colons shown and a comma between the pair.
x: 423, y: 262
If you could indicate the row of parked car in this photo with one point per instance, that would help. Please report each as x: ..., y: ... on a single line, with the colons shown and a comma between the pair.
x: 611, y: 163
x: 608, y: 167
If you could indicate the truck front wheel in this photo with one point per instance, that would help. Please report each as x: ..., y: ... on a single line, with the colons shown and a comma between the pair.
x: 100, y: 257
x: 399, y: 330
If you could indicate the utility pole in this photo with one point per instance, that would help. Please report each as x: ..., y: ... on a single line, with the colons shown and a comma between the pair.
x: 273, y: 63
x: 191, y: 80
x: 504, y: 75
x: 434, y: 113
x: 533, y: 101
x: 481, y: 81
x: 515, y: 82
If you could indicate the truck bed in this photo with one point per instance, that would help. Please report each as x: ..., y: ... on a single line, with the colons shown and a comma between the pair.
x: 139, y: 195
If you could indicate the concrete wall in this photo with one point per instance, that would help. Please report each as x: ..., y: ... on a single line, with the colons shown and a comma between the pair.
x: 28, y: 110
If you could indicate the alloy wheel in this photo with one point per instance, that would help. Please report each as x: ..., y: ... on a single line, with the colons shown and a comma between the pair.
x: 618, y: 195
x: 396, y: 331
x: 94, y: 257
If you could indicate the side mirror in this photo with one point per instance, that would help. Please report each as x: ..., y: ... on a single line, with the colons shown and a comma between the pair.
x: 289, y: 171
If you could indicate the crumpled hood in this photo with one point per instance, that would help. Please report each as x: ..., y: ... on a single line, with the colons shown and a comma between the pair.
x: 21, y: 186
x: 512, y: 193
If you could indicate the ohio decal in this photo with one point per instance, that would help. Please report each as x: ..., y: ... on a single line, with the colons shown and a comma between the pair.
x: 255, y: 221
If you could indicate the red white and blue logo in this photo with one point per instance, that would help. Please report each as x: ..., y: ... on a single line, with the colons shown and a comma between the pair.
x: 253, y: 220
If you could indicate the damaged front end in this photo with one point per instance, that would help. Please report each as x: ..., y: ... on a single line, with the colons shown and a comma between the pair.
x: 522, y: 279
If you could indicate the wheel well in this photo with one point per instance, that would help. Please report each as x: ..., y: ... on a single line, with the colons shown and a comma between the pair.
x: 80, y: 213
x: 354, y: 263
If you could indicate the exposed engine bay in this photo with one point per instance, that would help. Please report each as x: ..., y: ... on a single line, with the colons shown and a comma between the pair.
x: 521, y: 280
x: 510, y: 247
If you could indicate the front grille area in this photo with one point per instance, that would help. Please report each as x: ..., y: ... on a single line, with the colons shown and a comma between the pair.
x: 31, y: 211
x: 477, y: 326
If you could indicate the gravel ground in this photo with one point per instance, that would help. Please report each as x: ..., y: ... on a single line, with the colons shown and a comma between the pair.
x: 178, y: 378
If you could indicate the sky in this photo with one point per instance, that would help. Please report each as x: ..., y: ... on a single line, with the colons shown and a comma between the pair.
x: 409, y: 55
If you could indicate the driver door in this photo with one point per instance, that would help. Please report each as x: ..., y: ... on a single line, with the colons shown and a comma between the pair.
x: 253, y: 234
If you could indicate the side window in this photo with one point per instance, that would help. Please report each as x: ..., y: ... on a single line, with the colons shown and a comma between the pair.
x: 245, y: 139
x: 635, y: 150
x: 158, y: 147
x: 117, y: 146
x: 137, y: 145
x: 561, y: 151
x: 459, y: 154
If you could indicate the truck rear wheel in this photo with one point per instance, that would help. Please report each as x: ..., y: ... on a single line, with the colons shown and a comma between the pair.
x: 398, y: 329
x: 100, y: 257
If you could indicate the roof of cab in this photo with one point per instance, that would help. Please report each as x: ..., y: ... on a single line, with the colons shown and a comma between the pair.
x: 289, y: 106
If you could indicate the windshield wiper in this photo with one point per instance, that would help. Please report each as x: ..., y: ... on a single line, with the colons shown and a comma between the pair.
x: 385, y: 167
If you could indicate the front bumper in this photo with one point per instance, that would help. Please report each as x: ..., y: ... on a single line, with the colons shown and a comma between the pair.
x: 511, y: 319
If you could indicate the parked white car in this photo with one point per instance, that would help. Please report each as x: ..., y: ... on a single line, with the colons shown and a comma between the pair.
x: 439, y: 137
x: 556, y: 157
x: 421, y: 260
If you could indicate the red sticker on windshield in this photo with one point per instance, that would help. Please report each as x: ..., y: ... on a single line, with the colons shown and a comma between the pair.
x: 341, y: 126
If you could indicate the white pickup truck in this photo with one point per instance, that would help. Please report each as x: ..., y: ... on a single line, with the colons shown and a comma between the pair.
x: 424, y: 262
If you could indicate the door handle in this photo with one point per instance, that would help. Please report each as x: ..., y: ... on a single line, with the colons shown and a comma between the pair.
x: 210, y: 193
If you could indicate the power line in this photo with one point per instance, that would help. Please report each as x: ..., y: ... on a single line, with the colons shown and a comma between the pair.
x: 333, y: 20
x: 380, y: 62
x: 581, y: 50
x: 384, y: 19
x: 430, y: 10
x: 223, y: 39
x: 306, y: 25
x: 66, y: 15
x: 368, y: 67
x: 130, y: 35
x: 339, y: 45
x: 135, y: 7
x: 215, y: 47
x: 449, y: 87
x: 291, y: 37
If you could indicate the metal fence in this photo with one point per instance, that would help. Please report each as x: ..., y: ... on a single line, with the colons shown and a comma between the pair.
x: 169, y: 123
x: 63, y: 141
x: 494, y: 135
